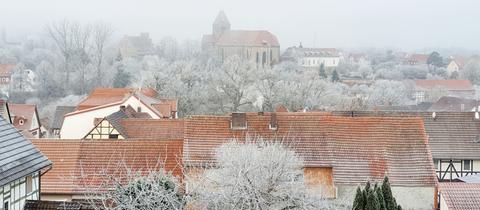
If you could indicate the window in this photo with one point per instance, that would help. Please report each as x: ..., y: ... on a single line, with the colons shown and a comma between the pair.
x: 29, y: 183
x: 113, y: 136
x: 5, y: 206
x: 139, y: 109
x: 436, y: 163
x: 467, y: 165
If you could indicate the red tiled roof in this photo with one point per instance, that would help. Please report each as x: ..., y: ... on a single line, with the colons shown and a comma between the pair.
x: 418, y: 58
x: 247, y: 38
x: 6, y: 69
x: 460, y: 196
x: 452, y: 85
x: 25, y: 112
x: 358, y: 149
x: 452, y: 135
x: 106, y: 97
x: 153, y: 128
x: 72, y: 158
x: 102, y: 96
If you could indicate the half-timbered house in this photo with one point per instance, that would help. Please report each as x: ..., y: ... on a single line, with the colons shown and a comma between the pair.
x: 105, y: 101
x: 21, y: 167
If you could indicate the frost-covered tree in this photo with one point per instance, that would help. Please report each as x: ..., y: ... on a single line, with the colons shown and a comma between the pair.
x: 471, y: 71
x: 101, y: 34
x: 388, y: 93
x: 233, y: 83
x: 255, y: 174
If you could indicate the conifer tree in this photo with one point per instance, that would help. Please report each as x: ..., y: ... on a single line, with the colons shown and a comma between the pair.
x: 321, y: 71
x: 365, y: 191
x: 359, y: 202
x: 390, y: 202
x: 335, y: 76
x: 372, y: 200
x: 379, y: 193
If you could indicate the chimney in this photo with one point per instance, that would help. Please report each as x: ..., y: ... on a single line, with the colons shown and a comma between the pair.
x: 122, y: 108
x: 238, y: 121
x: 434, y: 115
x: 273, y: 125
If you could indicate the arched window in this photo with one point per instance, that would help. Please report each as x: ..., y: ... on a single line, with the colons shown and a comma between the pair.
x: 264, y: 58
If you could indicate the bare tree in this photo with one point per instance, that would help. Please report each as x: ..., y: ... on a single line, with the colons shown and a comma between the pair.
x: 101, y: 34
x: 62, y: 35
x: 233, y: 82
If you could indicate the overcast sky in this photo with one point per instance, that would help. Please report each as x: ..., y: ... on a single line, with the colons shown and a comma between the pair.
x: 407, y: 24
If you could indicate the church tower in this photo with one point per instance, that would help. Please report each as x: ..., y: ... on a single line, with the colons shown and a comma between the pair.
x: 221, y: 24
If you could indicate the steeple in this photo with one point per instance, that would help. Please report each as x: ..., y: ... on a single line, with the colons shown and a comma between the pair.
x: 221, y: 24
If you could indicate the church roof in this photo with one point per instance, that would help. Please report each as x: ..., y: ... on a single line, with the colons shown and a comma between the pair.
x: 247, y: 38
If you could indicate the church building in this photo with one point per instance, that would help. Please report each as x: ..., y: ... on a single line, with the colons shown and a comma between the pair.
x: 258, y: 46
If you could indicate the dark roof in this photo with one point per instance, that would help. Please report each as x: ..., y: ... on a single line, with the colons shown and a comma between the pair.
x: 55, y: 205
x: 454, y: 104
x: 18, y: 156
x: 59, y: 114
x: 450, y: 85
x: 453, y: 135
x: 474, y: 178
x: 116, y: 118
x: 358, y: 149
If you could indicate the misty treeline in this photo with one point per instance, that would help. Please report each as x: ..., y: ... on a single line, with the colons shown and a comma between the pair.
x: 71, y: 59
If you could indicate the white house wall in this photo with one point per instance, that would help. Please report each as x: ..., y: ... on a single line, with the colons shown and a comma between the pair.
x: 78, y: 125
x: 419, y: 198
x: 16, y: 194
x: 316, y: 61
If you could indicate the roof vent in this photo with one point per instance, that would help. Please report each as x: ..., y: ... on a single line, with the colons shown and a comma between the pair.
x: 273, y: 125
x: 238, y: 121
x: 434, y: 115
x: 477, y: 116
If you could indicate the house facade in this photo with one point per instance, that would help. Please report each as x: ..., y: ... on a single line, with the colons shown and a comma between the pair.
x: 432, y: 90
x: 22, y: 165
x: 136, y: 46
x: 105, y: 101
x: 416, y: 59
x: 256, y: 46
x: 339, y: 153
x: 25, y: 118
x: 313, y: 57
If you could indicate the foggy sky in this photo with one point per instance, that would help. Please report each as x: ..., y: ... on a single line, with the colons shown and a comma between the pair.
x: 406, y: 24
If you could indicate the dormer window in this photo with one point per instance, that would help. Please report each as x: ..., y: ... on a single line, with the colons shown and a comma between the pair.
x: 238, y: 121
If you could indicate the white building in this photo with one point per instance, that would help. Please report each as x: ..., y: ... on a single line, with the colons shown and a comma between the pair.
x: 21, y: 168
x: 105, y: 101
x: 313, y: 57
